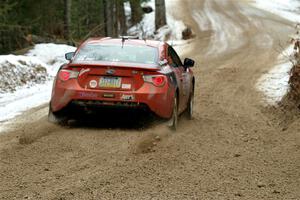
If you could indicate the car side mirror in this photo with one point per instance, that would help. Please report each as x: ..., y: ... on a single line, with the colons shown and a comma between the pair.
x: 69, y: 55
x: 188, y: 63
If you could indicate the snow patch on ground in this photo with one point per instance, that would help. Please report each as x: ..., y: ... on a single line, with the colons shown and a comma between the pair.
x: 288, y: 9
x: 263, y: 40
x: 202, y: 20
x: 53, y: 55
x: 33, y: 93
x: 226, y: 34
x: 127, y: 10
x: 274, y: 84
x: 23, y: 99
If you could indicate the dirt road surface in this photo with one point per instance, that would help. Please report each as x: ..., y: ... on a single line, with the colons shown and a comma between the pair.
x: 235, y: 148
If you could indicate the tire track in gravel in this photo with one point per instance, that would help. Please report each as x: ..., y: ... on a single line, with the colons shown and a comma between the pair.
x: 233, y: 149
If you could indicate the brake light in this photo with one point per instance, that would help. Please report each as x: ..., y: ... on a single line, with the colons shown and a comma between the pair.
x: 157, y: 80
x: 65, y: 75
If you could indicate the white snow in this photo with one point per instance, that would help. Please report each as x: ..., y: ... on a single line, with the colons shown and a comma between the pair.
x: 227, y: 34
x: 202, y: 20
x: 288, y: 9
x: 16, y: 59
x: 50, y: 56
x: 127, y: 10
x: 13, y: 104
x: 53, y: 55
x: 274, y: 84
x: 146, y: 27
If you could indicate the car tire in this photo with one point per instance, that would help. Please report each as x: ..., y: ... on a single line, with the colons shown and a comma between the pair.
x: 190, y: 107
x: 174, y: 119
x: 57, y: 118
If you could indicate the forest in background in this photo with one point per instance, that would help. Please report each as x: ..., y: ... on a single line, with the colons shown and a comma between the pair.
x: 24, y: 22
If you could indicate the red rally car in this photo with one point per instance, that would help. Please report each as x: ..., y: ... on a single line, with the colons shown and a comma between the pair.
x: 124, y: 72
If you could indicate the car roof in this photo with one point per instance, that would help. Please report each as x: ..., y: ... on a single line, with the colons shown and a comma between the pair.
x: 138, y: 42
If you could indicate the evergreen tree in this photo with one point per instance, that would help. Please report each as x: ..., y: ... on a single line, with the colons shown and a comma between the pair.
x: 67, y: 19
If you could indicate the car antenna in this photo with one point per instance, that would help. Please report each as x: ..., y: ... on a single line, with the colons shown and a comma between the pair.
x: 123, y: 41
x: 124, y: 38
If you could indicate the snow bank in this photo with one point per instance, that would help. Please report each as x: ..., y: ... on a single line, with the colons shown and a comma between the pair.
x: 274, y: 84
x: 53, y: 55
x: 172, y: 31
x: 17, y: 71
x: 23, y: 99
x: 31, y: 75
x: 288, y: 9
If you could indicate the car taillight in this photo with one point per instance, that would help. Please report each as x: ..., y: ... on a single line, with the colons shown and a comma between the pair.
x: 65, y: 75
x: 157, y: 80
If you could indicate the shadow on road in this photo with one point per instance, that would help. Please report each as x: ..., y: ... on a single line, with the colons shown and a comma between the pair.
x: 115, y: 119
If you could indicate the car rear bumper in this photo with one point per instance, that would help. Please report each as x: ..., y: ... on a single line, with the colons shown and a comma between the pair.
x: 157, y: 99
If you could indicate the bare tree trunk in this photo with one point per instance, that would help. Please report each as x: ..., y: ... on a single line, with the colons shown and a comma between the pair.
x: 114, y: 16
x: 122, y: 27
x: 160, y: 14
x: 108, y: 18
x: 102, y: 13
x: 136, y: 11
x: 67, y: 19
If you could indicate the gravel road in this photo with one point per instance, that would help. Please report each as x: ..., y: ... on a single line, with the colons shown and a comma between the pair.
x: 235, y: 148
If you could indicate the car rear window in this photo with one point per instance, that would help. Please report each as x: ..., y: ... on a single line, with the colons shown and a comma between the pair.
x: 117, y: 53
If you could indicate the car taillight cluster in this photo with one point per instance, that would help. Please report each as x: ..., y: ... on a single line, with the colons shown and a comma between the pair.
x: 65, y: 74
x: 157, y: 80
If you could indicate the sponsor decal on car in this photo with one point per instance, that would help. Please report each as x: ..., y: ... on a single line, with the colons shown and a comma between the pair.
x: 93, y: 83
x: 126, y: 86
x: 88, y: 94
x: 127, y: 97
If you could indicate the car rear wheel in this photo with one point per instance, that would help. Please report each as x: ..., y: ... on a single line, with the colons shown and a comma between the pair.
x: 174, y: 119
x: 57, y: 118
x: 190, y: 107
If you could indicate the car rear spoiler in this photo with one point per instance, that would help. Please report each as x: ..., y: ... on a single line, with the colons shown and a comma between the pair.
x: 148, y: 67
